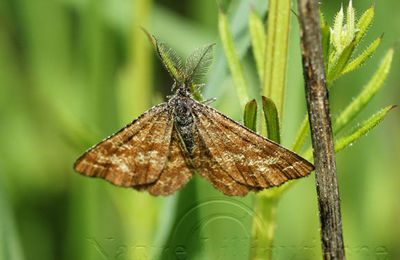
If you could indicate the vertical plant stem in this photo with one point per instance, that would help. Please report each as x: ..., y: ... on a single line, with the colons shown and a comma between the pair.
x: 135, y: 97
x: 276, y: 52
x: 266, y: 202
x: 321, y: 131
x: 264, y: 230
x: 274, y: 81
x: 137, y: 78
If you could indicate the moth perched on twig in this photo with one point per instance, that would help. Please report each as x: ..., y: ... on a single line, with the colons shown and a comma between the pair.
x: 160, y: 150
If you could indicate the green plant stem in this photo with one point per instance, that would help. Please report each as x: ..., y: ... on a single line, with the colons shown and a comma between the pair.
x: 276, y: 52
x: 266, y: 202
x: 139, y: 68
x: 274, y: 80
x: 264, y: 223
x: 136, y: 84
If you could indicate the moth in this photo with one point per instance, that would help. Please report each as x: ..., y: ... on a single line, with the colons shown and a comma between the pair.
x: 161, y: 150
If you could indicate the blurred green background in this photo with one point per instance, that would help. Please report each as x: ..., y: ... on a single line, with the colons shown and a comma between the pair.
x: 74, y: 71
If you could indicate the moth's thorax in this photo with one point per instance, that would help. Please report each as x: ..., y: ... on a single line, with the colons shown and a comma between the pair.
x: 183, y: 119
x: 182, y: 90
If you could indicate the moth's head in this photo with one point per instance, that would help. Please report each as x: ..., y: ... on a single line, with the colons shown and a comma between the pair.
x: 187, y: 74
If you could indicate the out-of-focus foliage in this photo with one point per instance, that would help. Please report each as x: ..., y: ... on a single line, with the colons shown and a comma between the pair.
x: 73, y: 72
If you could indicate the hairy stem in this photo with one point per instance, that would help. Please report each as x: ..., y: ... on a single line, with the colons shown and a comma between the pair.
x: 321, y: 131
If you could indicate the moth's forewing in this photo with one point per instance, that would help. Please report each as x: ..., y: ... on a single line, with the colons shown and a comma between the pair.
x: 245, y: 156
x: 136, y: 154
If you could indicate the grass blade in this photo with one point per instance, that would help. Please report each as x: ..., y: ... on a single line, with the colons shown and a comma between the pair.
x: 258, y: 39
x: 233, y: 58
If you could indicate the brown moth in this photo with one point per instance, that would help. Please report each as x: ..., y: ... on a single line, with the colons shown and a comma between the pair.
x: 160, y: 150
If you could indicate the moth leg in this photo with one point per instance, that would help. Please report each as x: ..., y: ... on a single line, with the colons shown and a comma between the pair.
x: 208, y: 101
x: 199, y: 87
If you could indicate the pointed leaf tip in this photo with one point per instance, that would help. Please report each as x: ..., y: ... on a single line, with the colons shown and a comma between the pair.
x: 364, y: 23
x: 250, y: 115
x: 362, y: 128
x: 271, y: 119
x: 363, y: 57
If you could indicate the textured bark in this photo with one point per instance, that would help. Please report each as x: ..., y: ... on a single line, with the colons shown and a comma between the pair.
x: 321, y: 131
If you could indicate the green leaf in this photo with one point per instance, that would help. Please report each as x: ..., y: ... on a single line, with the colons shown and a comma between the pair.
x: 258, y: 39
x: 350, y: 23
x: 198, y: 62
x: 337, y: 30
x: 362, y: 129
x: 357, y: 133
x: 276, y: 51
x: 337, y: 66
x: 364, y: 23
x: 271, y: 119
x: 360, y: 60
x: 366, y: 95
x: 250, y: 115
x: 233, y: 59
